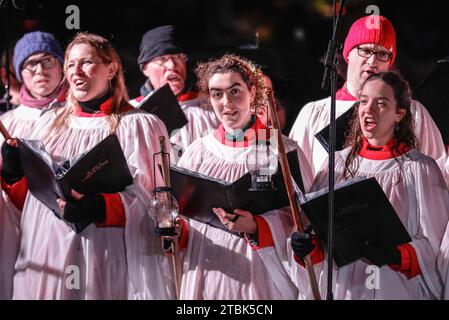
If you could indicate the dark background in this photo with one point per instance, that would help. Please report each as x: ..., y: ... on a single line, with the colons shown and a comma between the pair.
x: 297, y: 31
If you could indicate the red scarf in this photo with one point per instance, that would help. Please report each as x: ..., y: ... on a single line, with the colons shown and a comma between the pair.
x: 105, y: 110
x: 371, y: 152
x: 257, y: 132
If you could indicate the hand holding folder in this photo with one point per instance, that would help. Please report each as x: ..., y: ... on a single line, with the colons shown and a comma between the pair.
x: 364, y: 219
x: 101, y: 170
x: 198, y: 194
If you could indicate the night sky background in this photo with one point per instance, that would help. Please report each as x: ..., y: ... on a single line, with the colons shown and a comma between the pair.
x: 295, y: 31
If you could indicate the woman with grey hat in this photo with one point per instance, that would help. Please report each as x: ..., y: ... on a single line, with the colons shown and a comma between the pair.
x: 163, y: 61
x: 38, y: 60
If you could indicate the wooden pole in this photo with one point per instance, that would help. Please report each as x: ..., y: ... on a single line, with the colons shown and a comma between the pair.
x: 4, y: 131
x: 291, y: 190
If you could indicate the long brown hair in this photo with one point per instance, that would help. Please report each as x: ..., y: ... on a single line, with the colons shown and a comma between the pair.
x: 108, y: 55
x: 404, y: 130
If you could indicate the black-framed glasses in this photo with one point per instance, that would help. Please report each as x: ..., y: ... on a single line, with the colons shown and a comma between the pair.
x: 46, y: 62
x: 162, y: 60
x: 383, y: 56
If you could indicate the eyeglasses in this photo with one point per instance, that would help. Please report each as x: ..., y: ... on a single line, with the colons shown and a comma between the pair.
x: 47, y: 62
x: 176, y: 58
x: 383, y: 56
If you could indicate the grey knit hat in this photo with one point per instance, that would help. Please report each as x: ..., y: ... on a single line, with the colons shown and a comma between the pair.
x: 32, y: 43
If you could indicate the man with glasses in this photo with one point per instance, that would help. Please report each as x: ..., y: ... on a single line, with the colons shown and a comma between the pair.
x: 38, y: 60
x: 163, y: 61
x: 370, y: 47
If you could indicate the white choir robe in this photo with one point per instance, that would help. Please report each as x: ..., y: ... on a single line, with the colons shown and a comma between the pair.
x: 9, y: 247
x: 421, y: 200
x: 201, y: 121
x: 315, y: 116
x: 19, y: 122
x: 218, y: 264
x: 443, y: 256
x: 112, y: 263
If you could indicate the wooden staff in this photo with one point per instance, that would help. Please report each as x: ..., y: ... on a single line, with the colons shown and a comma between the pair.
x: 174, y: 240
x: 272, y: 114
x: 4, y: 131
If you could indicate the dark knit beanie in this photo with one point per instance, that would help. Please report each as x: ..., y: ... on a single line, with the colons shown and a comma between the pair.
x: 158, y: 42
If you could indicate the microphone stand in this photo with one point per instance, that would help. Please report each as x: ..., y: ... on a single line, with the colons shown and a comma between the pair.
x: 330, y: 74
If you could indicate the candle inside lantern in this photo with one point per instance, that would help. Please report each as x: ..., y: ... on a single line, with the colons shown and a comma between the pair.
x: 165, y: 224
x: 164, y: 209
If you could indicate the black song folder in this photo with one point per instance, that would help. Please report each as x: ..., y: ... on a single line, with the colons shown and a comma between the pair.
x: 197, y: 194
x: 101, y: 170
x: 341, y: 124
x: 433, y: 93
x: 363, y: 214
x: 163, y: 103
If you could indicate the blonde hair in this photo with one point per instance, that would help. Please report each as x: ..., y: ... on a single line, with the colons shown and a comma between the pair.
x: 108, y: 54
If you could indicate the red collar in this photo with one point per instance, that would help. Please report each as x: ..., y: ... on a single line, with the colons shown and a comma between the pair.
x: 257, y: 132
x: 344, y: 95
x: 371, y: 152
x: 62, y: 97
x: 105, y: 110
x: 187, y: 96
x: 181, y: 98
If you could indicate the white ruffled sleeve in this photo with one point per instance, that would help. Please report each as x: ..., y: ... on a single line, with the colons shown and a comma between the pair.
x: 432, y: 216
x: 429, y: 140
x: 149, y: 270
x: 201, y: 122
x: 443, y: 263
x: 301, y: 133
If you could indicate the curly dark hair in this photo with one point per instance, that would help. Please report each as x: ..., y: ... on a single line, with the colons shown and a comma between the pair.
x: 250, y: 73
x: 403, y: 133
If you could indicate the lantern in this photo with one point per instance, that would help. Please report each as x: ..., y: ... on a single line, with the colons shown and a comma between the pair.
x: 262, y: 163
x: 164, y: 209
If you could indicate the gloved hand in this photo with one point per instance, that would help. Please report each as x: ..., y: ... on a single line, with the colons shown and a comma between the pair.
x: 166, y: 245
x: 381, y: 256
x: 302, y: 243
x: 11, y: 165
x: 87, y: 210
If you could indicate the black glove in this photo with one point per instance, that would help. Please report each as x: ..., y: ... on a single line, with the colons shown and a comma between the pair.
x: 12, y: 166
x: 381, y: 256
x: 166, y: 245
x: 87, y: 210
x: 302, y: 243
